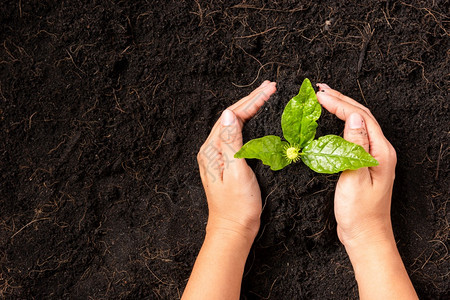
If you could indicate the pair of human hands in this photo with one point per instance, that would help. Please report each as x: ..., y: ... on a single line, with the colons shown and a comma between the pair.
x: 362, y: 204
x: 362, y: 198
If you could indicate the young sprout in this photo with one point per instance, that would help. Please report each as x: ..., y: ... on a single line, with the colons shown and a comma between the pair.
x: 327, y: 154
x: 292, y: 153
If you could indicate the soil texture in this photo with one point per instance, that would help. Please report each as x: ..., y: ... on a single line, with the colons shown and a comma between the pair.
x: 105, y: 104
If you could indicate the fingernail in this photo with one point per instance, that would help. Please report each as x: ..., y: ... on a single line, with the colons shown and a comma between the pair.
x: 355, y: 121
x: 228, y: 117
x: 322, y: 87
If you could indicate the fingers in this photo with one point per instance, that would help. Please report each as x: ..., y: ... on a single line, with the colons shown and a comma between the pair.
x: 216, y: 156
x: 254, y: 92
x: 210, y: 162
x: 248, y: 106
x: 379, y: 146
x: 339, y: 95
x: 355, y: 131
x: 230, y: 140
x: 343, y: 109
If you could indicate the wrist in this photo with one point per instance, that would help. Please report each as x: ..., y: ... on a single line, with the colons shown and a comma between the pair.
x: 360, y: 250
x: 379, y: 270
x: 237, y: 232
x: 370, y: 248
x: 355, y: 237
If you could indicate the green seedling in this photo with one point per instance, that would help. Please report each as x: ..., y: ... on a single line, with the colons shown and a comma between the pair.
x: 328, y: 154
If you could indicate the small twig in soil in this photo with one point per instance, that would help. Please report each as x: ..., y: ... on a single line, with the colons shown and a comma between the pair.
x: 163, y: 193
x: 260, y: 64
x: 157, y: 85
x: 56, y: 148
x: 49, y: 171
x: 310, y: 40
x: 267, y: 197
x: 6, y: 287
x: 418, y: 235
x: 20, y: 8
x: 254, y: 80
x: 270, y: 291
x: 46, y: 32
x: 148, y: 268
x: 82, y: 218
x: 430, y: 12
x: 386, y: 18
x: 278, y: 73
x: 443, y: 244
x: 25, y: 226
x: 269, y: 9
x: 125, y: 50
x: 417, y: 259
x: 257, y: 34
x: 367, y: 36
x: 29, y: 120
x: 362, y: 94
x: 427, y: 260
x: 117, y: 102
x: 9, y: 53
x: 71, y: 58
x: 317, y: 233
x: 200, y: 13
x: 421, y: 65
x: 340, y: 266
x: 91, y: 109
x: 159, y: 142
x: 423, y: 160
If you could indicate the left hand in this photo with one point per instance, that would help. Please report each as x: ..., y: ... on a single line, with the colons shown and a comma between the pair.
x: 232, y: 191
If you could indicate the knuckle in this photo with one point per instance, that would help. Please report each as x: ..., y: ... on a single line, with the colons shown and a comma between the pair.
x: 200, y: 156
x: 365, y: 112
x: 392, y: 154
x: 360, y: 135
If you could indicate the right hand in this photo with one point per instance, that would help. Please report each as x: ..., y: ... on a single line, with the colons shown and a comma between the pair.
x: 362, y: 200
x: 232, y: 191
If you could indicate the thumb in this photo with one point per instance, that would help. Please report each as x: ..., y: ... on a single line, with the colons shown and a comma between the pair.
x: 230, y: 136
x: 355, y: 131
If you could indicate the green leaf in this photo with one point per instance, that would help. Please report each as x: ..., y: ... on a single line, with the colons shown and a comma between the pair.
x: 331, y: 154
x: 299, y: 116
x: 269, y: 149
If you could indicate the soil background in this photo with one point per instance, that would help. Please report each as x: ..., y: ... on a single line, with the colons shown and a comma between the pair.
x: 104, y: 105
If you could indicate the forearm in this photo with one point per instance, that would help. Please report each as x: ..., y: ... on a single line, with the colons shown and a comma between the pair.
x: 380, y: 272
x: 219, y: 267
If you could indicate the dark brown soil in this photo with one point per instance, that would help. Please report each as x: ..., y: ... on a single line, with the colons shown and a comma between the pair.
x: 104, y: 105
